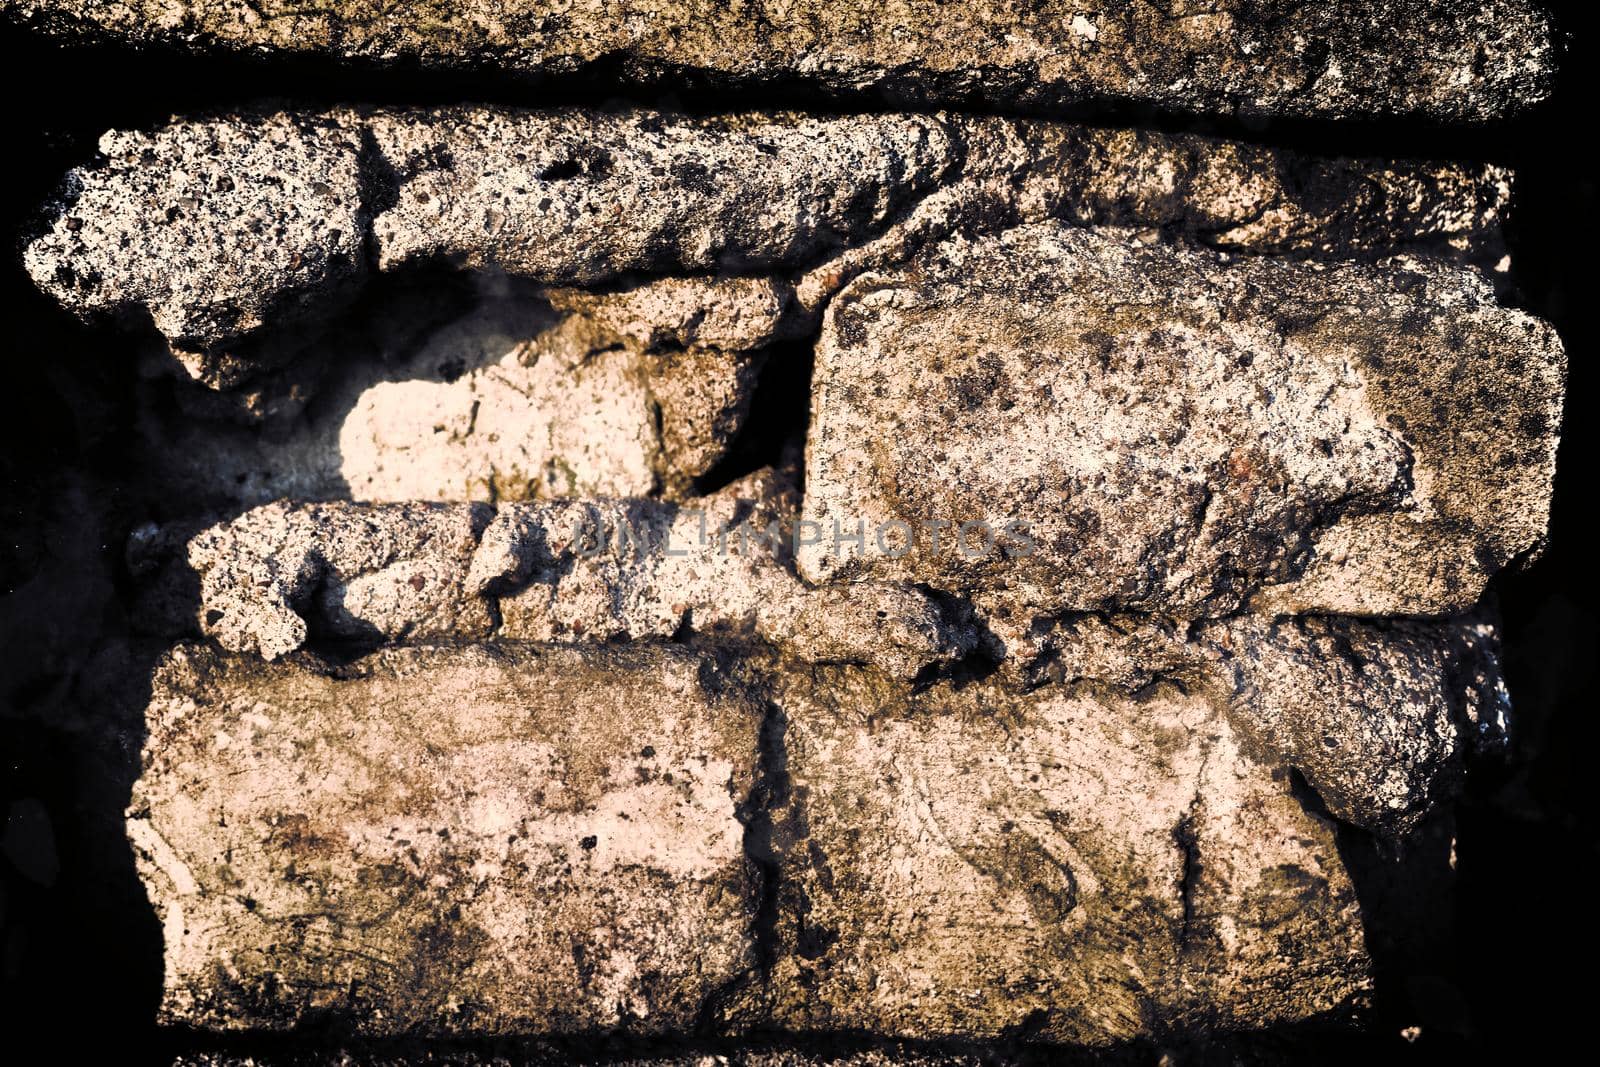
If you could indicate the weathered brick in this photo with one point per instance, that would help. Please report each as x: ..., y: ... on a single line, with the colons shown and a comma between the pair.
x: 473, y: 840
x: 567, y: 197
x: 1178, y: 432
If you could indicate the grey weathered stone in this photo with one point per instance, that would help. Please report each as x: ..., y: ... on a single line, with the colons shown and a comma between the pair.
x: 1438, y: 59
x: 589, y: 570
x: 1380, y: 718
x: 248, y: 217
x: 257, y: 219
x: 722, y: 564
x: 599, y: 194
x: 1099, y: 860
x: 1153, y: 429
x: 474, y: 840
x: 565, y: 197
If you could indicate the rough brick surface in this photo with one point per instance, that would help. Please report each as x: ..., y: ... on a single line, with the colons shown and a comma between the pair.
x: 1118, y: 850
x: 356, y: 571
x: 1151, y: 429
x: 1121, y: 851
x: 565, y: 197
x: 507, y: 840
x: 1198, y: 190
x: 493, y: 390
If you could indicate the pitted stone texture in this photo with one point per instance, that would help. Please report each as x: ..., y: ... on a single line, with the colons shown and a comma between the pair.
x: 1088, y: 866
x: 1248, y: 198
x: 704, y: 343
x: 565, y: 197
x: 1152, y: 429
x: 284, y: 574
x: 513, y: 394
x: 1379, y: 718
x: 248, y: 218
x: 726, y: 314
x: 449, y: 841
x: 1437, y: 59
x: 598, y: 194
x: 241, y: 211
x: 543, y: 411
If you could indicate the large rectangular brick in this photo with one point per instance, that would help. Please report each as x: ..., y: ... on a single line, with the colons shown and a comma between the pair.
x: 446, y: 841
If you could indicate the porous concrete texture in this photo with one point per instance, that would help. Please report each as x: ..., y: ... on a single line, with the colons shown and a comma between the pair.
x: 568, y: 197
x: 1216, y: 193
x: 1058, y: 419
x: 505, y: 840
x: 1439, y: 59
x: 634, y: 569
x: 356, y: 571
x: 246, y: 216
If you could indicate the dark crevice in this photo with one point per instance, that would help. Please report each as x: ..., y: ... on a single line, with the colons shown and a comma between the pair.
x: 1185, y: 836
x: 957, y: 615
x: 780, y: 412
x: 766, y: 809
x: 1406, y: 892
x: 378, y: 184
